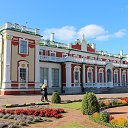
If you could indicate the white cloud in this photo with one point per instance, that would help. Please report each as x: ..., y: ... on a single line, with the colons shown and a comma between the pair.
x: 103, y: 37
x: 64, y: 33
x: 120, y: 33
x: 91, y: 31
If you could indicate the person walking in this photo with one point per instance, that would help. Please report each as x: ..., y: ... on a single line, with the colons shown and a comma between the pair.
x: 44, y: 93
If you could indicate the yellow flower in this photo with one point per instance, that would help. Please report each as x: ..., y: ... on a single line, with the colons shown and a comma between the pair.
x: 119, y: 121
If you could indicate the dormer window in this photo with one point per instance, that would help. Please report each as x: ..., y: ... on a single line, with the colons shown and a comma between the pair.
x: 23, y: 49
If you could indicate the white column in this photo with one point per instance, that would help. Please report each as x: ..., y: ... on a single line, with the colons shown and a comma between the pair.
x: 6, y: 64
x: 83, y: 74
x: 120, y: 78
x: 37, y: 67
x: 50, y: 77
x: 68, y: 74
x: 95, y: 74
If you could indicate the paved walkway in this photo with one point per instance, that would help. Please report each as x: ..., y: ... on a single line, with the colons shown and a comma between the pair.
x: 20, y: 99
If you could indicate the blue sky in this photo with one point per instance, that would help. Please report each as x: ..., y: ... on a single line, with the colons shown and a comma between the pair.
x: 104, y: 22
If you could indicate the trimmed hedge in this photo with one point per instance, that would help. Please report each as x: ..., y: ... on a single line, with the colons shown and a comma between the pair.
x: 55, y: 98
x: 90, y: 104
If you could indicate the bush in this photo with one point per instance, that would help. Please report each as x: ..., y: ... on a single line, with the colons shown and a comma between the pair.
x: 104, y: 116
x: 55, y: 98
x: 122, y: 122
x: 90, y: 104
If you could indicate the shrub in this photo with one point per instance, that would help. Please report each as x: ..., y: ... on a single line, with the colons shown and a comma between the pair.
x: 96, y: 116
x: 104, y: 116
x: 107, y: 103
x: 90, y: 104
x: 119, y: 122
x: 114, y: 103
x: 55, y: 98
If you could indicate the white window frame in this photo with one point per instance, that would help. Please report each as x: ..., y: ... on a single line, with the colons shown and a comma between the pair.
x: 89, y: 70
x: 101, y: 71
x: 53, y: 52
x: 76, y: 69
x: 116, y: 72
x: 64, y: 55
x: 23, y: 84
x: 124, y: 73
x: 20, y: 46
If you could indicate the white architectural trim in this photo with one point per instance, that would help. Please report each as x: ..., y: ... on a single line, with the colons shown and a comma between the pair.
x: 83, y: 73
x: 116, y: 72
x: 7, y: 64
x: 50, y: 66
x: 101, y: 70
x: 120, y: 77
x: 20, y: 45
x: 76, y: 69
x: 89, y: 69
x: 95, y: 74
x: 37, y: 67
x: 68, y: 74
x: 23, y: 64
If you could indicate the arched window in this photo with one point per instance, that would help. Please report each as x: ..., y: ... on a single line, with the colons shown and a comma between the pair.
x: 115, y: 76
x: 124, y: 78
x: 90, y: 75
x: 23, y: 74
x: 109, y: 75
x: 101, y: 75
x: 77, y: 75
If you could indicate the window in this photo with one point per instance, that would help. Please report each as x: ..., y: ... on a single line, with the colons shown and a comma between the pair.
x: 77, y: 75
x: 55, y: 77
x: 101, y: 75
x: 53, y: 54
x: 65, y: 55
x: 109, y: 75
x: 23, y: 75
x: 89, y: 77
x: 44, y: 75
x: 115, y: 78
x: 23, y: 47
x: 123, y: 79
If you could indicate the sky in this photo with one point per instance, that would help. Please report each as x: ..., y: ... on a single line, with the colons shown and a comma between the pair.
x: 103, y: 22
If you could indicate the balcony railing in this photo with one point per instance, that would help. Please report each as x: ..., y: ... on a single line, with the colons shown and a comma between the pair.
x: 19, y: 27
x: 79, y: 60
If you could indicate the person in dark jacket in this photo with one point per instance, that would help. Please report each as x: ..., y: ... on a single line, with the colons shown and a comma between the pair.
x: 44, y: 93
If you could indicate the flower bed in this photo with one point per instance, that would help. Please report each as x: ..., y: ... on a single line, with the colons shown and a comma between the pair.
x: 105, y: 118
x: 43, y: 112
x: 24, y: 105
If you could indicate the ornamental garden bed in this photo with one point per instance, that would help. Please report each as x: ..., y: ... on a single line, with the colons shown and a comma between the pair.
x: 98, y: 110
x: 25, y: 117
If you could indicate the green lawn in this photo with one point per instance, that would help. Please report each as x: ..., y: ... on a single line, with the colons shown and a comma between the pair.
x: 74, y: 105
x: 71, y: 125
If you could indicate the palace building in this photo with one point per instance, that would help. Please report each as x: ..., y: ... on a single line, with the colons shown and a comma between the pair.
x: 27, y: 61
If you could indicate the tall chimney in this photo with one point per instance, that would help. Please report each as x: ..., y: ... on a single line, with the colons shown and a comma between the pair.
x: 52, y: 37
x: 121, y: 53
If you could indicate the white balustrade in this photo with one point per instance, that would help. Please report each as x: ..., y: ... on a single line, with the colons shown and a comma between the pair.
x: 80, y: 60
x: 19, y: 27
